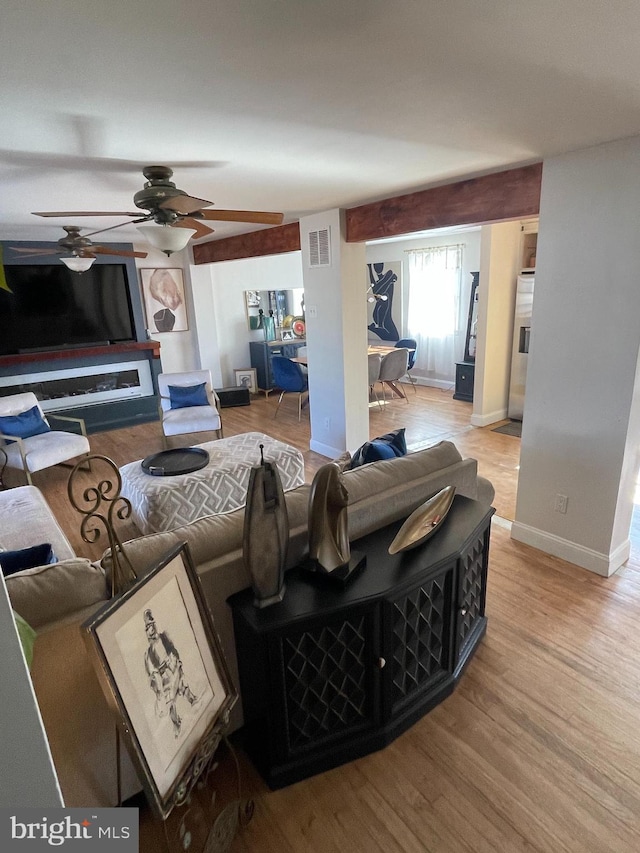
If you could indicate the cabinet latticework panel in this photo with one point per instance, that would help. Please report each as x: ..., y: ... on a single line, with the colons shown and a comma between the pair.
x: 325, y: 681
x: 419, y: 624
x: 472, y: 588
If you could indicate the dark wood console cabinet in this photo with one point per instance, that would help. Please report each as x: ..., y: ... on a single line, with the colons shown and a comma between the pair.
x: 330, y: 674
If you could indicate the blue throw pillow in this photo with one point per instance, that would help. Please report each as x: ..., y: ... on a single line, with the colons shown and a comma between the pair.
x: 26, y: 558
x: 386, y: 446
x: 182, y: 396
x: 24, y: 425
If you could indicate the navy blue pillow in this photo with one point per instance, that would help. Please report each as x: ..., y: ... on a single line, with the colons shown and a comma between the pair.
x: 25, y: 424
x: 386, y: 446
x: 26, y: 558
x: 182, y: 396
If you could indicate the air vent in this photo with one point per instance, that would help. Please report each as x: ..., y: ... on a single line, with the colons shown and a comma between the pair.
x: 319, y: 248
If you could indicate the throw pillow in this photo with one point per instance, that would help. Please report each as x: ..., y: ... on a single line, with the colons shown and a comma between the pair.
x: 182, y: 396
x: 26, y: 558
x: 24, y: 425
x: 387, y: 446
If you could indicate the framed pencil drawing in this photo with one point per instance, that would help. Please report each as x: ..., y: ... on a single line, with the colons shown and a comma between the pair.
x: 164, y: 301
x: 164, y: 675
x: 247, y: 377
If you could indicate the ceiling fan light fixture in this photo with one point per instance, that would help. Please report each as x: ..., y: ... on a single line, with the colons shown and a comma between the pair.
x: 78, y: 264
x: 165, y: 237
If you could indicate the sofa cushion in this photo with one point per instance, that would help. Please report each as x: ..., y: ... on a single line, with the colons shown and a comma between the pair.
x: 25, y: 424
x: 26, y: 558
x: 27, y: 519
x: 45, y: 594
x: 386, y: 446
x: 183, y: 396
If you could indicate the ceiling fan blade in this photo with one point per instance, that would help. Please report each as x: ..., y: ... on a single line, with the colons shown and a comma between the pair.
x: 74, y: 213
x: 261, y: 217
x: 30, y: 252
x: 105, y: 250
x: 200, y: 228
x: 119, y: 225
x: 184, y: 204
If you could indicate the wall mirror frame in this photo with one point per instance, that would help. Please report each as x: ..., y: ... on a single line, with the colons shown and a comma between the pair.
x: 284, y: 304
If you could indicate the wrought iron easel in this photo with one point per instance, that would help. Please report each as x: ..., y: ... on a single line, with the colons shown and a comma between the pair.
x: 101, y: 505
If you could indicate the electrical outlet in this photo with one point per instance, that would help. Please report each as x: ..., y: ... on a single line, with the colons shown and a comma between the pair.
x: 327, y: 423
x: 311, y: 311
x: 561, y: 503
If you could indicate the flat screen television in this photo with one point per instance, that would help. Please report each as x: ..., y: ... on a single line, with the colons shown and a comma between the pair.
x: 51, y: 307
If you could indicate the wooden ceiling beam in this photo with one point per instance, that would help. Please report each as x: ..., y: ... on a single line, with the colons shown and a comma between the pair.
x: 512, y: 194
x: 267, y: 241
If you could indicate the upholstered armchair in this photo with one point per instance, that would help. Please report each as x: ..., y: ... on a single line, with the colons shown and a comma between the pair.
x: 28, y: 439
x: 188, y: 404
x: 412, y: 345
x: 288, y: 376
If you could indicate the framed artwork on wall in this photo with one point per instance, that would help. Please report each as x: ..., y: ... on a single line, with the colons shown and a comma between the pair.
x: 162, y: 670
x: 246, y: 377
x: 164, y: 300
x: 384, y: 301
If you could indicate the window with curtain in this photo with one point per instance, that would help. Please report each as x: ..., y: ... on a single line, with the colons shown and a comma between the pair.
x: 436, y: 315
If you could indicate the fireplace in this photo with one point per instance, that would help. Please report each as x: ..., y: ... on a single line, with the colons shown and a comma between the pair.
x: 82, y: 386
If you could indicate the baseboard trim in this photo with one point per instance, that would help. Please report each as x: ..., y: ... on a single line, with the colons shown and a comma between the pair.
x: 594, y: 561
x: 325, y: 449
x: 487, y: 420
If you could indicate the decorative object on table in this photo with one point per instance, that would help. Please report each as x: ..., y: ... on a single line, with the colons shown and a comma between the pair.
x: 101, y: 505
x: 329, y: 548
x: 179, y: 460
x: 246, y: 377
x: 298, y: 327
x: 164, y: 300
x: 287, y: 335
x: 266, y: 533
x: 424, y: 521
x: 384, y: 307
x: 162, y: 670
x: 387, y: 446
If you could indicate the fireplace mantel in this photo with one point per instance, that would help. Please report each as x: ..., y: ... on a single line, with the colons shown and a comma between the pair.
x: 80, y: 352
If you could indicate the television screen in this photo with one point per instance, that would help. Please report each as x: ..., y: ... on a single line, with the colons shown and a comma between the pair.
x: 51, y: 307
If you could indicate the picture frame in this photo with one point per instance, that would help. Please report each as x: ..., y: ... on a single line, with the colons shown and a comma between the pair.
x: 287, y: 335
x: 163, y: 673
x: 164, y: 299
x: 246, y: 377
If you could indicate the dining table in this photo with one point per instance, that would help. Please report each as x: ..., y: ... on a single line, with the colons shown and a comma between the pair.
x: 371, y: 350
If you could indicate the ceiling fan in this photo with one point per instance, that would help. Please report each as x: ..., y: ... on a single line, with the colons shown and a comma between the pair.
x: 168, y: 206
x: 83, y: 252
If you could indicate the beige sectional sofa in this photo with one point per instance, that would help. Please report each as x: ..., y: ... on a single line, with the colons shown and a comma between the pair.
x: 78, y: 724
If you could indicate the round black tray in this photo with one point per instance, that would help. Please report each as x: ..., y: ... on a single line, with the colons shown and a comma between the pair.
x: 180, y: 460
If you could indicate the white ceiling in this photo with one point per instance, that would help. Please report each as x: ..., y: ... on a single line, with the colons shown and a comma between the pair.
x: 297, y: 106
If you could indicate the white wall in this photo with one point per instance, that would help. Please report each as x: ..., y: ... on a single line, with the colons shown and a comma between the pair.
x: 580, y: 425
x: 28, y: 778
x: 499, y: 268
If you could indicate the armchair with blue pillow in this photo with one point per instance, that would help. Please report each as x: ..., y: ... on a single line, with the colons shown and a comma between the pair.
x: 29, y: 442
x: 188, y: 404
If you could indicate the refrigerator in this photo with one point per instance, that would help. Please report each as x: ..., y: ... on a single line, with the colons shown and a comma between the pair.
x: 520, y: 346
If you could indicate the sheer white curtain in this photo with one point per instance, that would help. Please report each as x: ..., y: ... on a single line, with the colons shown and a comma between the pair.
x: 436, y: 316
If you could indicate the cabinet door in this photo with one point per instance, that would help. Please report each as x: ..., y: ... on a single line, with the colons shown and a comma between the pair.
x: 329, y: 684
x: 417, y: 628
x: 471, y: 596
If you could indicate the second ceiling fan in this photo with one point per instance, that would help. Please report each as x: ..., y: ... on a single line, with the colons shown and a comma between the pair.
x: 168, y: 206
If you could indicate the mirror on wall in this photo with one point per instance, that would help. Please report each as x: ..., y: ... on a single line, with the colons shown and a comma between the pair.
x: 283, y: 304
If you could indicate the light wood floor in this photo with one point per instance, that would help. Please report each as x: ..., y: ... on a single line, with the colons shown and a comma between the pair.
x: 538, y: 749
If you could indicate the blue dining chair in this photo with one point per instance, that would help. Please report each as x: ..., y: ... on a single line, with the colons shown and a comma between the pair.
x: 288, y: 376
x: 412, y: 345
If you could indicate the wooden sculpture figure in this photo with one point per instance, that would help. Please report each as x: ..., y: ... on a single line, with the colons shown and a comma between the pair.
x: 329, y: 549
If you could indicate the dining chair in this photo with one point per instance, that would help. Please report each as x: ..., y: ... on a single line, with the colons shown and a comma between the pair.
x: 392, y: 368
x: 289, y: 377
x: 412, y: 345
x: 374, y: 374
x: 28, y: 440
x: 188, y: 404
